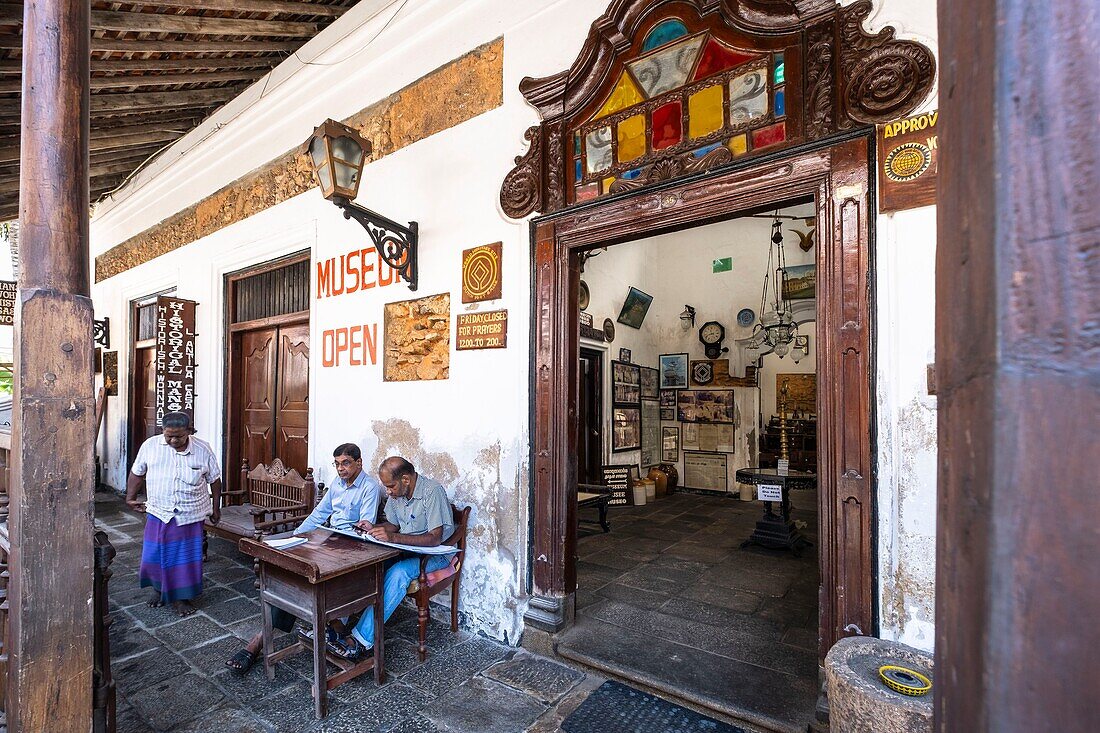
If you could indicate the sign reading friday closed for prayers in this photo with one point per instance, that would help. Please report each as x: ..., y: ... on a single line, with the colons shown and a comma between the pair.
x: 488, y: 330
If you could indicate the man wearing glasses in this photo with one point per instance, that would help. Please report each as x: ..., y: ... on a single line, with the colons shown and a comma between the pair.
x: 353, y: 497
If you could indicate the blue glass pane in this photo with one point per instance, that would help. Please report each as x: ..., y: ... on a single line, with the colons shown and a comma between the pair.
x: 631, y: 174
x: 579, y: 172
x: 780, y: 70
x: 577, y: 143
x: 780, y: 104
x: 662, y: 33
x: 700, y: 152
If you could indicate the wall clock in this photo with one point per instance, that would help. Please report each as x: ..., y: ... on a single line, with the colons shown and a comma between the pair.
x: 711, y: 334
x: 702, y: 372
x: 745, y: 317
x: 609, y: 329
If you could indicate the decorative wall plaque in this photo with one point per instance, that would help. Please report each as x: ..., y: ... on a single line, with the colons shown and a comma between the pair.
x: 908, y: 154
x: 718, y: 374
x: 8, y: 291
x: 175, y: 357
x: 801, y: 392
x: 488, y: 330
x: 481, y: 275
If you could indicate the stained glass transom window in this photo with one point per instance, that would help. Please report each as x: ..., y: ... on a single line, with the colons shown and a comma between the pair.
x: 685, y: 93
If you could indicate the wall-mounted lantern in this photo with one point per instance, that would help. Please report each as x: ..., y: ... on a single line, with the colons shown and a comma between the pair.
x: 337, y: 153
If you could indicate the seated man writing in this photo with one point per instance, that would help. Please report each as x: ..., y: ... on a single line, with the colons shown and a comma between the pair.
x: 354, y: 496
x: 417, y: 513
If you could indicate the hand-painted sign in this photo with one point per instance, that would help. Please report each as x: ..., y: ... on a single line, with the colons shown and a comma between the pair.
x: 481, y: 278
x: 8, y: 292
x: 175, y: 357
x: 908, y: 154
x: 488, y: 330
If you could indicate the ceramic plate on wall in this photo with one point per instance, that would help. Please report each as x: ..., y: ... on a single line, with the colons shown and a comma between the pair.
x: 745, y: 317
x: 583, y: 296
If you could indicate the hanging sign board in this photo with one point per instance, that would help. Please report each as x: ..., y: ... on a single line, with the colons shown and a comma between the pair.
x: 8, y: 291
x: 175, y: 357
x: 908, y: 155
x: 488, y: 330
x: 769, y: 492
x: 620, y: 480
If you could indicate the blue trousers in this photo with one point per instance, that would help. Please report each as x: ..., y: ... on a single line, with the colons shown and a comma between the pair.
x: 395, y: 586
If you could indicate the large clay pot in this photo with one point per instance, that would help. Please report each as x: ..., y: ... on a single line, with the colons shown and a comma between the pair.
x: 660, y: 478
x: 672, y: 474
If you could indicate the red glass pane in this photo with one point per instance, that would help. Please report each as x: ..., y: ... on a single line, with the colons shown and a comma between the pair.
x: 770, y: 135
x: 716, y: 57
x: 667, y: 125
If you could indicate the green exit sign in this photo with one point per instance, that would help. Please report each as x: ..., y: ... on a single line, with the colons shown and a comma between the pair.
x: 724, y: 264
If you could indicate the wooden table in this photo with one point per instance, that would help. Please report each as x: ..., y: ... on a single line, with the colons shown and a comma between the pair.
x: 773, y: 530
x: 328, y: 577
x: 594, y: 496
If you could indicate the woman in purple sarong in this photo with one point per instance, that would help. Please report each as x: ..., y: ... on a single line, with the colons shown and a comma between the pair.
x: 183, y: 485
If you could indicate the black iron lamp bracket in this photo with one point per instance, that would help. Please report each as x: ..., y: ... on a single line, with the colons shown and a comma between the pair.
x: 395, y: 243
x: 101, y: 332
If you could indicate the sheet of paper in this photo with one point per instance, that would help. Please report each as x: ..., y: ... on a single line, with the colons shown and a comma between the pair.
x: 437, y: 550
x: 285, y: 543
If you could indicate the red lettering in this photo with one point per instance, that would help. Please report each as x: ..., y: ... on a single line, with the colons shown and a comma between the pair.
x: 353, y: 269
x: 328, y: 357
x: 371, y: 332
x: 356, y: 345
x: 367, y: 284
x: 340, y: 270
x: 324, y: 278
x: 341, y: 343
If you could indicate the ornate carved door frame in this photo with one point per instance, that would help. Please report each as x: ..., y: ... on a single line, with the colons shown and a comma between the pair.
x: 838, y: 177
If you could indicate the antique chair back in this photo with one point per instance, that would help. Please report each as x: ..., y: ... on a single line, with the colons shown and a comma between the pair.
x: 437, y: 581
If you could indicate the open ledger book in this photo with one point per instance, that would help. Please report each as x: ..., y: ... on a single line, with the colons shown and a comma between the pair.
x: 437, y: 550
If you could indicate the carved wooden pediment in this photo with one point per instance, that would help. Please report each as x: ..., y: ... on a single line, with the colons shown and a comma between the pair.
x: 665, y: 88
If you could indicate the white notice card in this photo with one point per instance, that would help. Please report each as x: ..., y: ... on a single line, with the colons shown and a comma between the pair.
x: 769, y: 492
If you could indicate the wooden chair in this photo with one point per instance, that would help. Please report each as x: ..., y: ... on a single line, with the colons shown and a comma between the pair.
x: 271, y: 499
x: 437, y: 581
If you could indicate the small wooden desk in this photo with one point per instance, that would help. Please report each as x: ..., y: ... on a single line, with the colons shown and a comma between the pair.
x: 328, y: 577
x: 589, y: 495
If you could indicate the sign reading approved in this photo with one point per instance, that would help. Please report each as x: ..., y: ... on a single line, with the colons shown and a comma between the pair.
x: 487, y: 330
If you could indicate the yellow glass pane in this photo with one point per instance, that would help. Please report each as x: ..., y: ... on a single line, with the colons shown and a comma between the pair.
x: 737, y: 145
x: 631, y: 138
x: 705, y: 112
x: 607, y: 183
x: 624, y: 95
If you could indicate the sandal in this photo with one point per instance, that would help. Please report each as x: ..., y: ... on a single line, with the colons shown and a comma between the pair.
x: 347, y: 648
x: 241, y: 662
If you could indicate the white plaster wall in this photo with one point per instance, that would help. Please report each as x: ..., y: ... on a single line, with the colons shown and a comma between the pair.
x: 473, y: 428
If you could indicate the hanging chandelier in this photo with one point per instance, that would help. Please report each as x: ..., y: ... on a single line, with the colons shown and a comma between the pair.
x: 777, y: 328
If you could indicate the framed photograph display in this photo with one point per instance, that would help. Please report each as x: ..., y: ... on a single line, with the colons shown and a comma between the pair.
x: 626, y: 429
x: 649, y: 383
x: 705, y: 406
x: 626, y: 388
x: 668, y: 398
x: 668, y: 413
x: 624, y: 355
x: 635, y: 307
x: 651, y: 433
x: 670, y: 443
x: 705, y: 471
x: 673, y: 370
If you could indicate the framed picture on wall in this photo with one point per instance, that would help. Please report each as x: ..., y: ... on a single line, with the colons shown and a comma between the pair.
x: 624, y: 355
x: 626, y: 388
x: 626, y: 429
x: 668, y: 413
x: 670, y: 443
x: 668, y: 398
x: 649, y: 383
x: 673, y: 370
x: 635, y: 307
x: 705, y: 406
x: 800, y: 282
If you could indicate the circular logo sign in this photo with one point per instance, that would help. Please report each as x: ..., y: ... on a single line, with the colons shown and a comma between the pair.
x: 481, y: 273
x: 907, y: 161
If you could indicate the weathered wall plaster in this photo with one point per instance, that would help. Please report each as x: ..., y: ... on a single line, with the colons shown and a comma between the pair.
x: 418, y: 339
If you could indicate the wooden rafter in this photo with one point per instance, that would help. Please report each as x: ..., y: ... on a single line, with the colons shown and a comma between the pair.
x: 113, y: 20
x: 249, y: 6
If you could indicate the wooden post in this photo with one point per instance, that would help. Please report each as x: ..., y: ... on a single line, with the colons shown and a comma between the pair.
x: 50, y: 680
x: 1017, y: 347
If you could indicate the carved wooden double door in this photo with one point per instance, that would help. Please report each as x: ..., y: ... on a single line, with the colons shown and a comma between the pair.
x: 272, y: 403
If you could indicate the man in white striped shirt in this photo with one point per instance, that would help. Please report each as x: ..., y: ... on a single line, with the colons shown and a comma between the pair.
x: 183, y: 485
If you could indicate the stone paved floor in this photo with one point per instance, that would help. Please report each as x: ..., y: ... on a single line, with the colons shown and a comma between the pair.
x: 170, y: 673
x: 669, y: 599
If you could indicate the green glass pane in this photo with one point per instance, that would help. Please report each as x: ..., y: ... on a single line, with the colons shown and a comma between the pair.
x: 780, y: 69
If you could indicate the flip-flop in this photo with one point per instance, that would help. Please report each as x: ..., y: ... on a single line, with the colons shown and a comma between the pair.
x: 241, y: 662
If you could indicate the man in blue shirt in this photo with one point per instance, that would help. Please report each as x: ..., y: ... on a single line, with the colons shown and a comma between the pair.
x: 352, y: 498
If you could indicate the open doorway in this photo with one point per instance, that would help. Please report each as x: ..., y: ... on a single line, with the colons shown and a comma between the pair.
x: 697, y: 583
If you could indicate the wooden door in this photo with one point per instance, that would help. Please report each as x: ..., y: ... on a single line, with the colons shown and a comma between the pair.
x: 256, y: 416
x: 590, y: 417
x: 292, y: 397
x: 143, y: 407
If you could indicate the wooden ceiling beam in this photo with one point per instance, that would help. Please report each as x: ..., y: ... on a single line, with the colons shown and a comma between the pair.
x: 113, y: 20
x: 283, y: 7
x: 117, y: 103
x: 153, y: 45
x: 10, y: 153
x: 186, y: 64
x: 149, y: 80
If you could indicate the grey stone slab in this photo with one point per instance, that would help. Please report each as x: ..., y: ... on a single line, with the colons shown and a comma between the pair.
x: 585, y: 597
x: 255, y: 685
x: 130, y: 721
x: 234, y: 610
x: 447, y: 670
x: 152, y: 667
x: 783, y: 702
x: 716, y: 595
x: 246, y: 587
x: 150, y: 617
x: 480, y: 705
x: 741, y: 579
x: 536, y: 676
x: 633, y: 596
x: 787, y: 614
x: 419, y: 724
x: 213, y: 595
x: 123, y: 589
x: 641, y: 578
x: 192, y: 631
x: 127, y: 638
x: 615, y: 559
x: 439, y: 636
x: 393, y: 705
x: 175, y: 701
x: 802, y: 638
x: 230, y: 574
x: 227, y: 718
x: 291, y: 710
x: 593, y: 576
x: 648, y: 530
x: 724, y: 618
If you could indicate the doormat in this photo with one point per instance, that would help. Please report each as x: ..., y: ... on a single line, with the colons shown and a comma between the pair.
x: 617, y: 708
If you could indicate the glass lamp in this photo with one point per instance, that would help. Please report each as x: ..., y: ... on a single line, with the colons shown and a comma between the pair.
x: 337, y: 153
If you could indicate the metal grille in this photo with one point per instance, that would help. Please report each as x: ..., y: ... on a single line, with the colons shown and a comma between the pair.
x: 272, y: 293
x: 147, y: 321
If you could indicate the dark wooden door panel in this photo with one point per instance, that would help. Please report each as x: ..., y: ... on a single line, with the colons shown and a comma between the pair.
x: 143, y: 409
x: 292, y: 397
x: 257, y: 411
